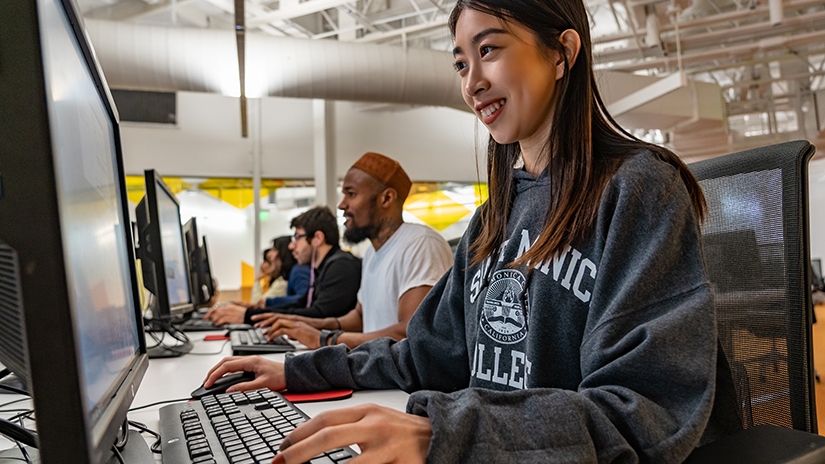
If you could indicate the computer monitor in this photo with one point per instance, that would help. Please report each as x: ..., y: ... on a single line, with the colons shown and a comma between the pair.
x: 161, y: 250
x: 816, y: 281
x: 68, y: 293
x: 200, y: 275
x: 211, y: 282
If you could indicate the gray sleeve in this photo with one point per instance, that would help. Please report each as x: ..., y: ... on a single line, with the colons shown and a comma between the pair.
x: 434, y: 356
x: 647, y: 359
x: 382, y: 363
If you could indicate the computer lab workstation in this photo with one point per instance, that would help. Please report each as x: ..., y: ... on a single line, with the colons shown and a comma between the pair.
x: 75, y: 340
x: 104, y: 346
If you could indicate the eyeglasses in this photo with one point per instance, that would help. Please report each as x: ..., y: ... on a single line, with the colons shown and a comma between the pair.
x: 297, y: 237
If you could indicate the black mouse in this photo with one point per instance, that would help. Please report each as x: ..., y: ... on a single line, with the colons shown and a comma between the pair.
x: 223, y: 383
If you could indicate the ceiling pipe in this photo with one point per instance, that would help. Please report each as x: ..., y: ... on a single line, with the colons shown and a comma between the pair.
x: 141, y: 57
x: 730, y: 16
x: 730, y: 53
x: 775, y: 9
x: 716, y: 39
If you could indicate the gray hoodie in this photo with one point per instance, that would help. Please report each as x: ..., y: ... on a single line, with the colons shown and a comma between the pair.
x: 606, y: 353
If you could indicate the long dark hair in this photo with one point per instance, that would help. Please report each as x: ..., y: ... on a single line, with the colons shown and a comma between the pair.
x: 586, y: 144
x: 281, y: 245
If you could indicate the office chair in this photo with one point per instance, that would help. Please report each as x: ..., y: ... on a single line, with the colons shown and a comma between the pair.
x: 757, y: 256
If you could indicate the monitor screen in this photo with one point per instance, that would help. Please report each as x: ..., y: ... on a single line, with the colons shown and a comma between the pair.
x: 92, y: 221
x: 174, y: 254
x: 71, y: 324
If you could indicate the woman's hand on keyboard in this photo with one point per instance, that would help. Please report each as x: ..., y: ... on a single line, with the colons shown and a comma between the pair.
x: 268, y: 374
x: 383, y: 434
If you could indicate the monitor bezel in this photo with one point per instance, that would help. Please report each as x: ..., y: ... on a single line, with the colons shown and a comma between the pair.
x: 163, y: 309
x: 63, y: 423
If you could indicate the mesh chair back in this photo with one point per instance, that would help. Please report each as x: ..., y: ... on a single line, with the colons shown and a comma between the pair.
x: 757, y: 255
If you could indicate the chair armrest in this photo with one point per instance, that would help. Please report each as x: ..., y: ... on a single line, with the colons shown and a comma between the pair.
x: 765, y: 444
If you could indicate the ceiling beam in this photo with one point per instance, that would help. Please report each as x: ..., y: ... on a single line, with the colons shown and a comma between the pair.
x: 126, y: 10
x: 712, y: 19
x: 302, y: 9
x: 380, y: 36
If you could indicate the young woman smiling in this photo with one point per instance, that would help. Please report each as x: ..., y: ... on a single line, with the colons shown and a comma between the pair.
x: 577, y: 323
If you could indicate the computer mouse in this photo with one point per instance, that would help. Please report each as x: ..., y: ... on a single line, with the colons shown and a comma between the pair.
x: 223, y: 383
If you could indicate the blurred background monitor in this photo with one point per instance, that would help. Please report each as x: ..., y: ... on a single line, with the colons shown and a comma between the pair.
x: 211, y: 282
x: 161, y: 250
x: 200, y: 274
x: 71, y: 324
x: 816, y: 278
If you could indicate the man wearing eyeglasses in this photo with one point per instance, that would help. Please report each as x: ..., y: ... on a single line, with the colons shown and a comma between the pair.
x: 335, y: 275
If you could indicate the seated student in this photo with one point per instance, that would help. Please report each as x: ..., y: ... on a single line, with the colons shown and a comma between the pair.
x: 291, y: 279
x: 268, y: 281
x: 335, y: 274
x: 577, y: 323
x: 401, y: 265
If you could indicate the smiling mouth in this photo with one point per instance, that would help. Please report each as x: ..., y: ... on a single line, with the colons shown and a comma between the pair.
x: 492, y: 109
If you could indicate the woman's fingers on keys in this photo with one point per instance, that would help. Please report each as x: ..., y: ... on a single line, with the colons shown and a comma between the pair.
x: 324, y: 421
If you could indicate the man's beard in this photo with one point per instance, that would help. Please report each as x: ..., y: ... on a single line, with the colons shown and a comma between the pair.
x: 358, y: 234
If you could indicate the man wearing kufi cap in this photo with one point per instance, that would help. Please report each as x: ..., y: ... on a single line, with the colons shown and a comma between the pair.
x: 400, y: 266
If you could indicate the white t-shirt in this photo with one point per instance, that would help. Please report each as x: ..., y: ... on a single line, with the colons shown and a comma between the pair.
x: 414, y: 256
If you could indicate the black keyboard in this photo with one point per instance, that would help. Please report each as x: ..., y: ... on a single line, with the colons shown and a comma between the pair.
x: 253, y: 341
x: 197, y: 325
x: 236, y: 428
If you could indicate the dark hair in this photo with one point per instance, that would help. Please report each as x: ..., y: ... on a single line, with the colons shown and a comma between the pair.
x: 586, y: 143
x: 281, y: 245
x: 315, y: 219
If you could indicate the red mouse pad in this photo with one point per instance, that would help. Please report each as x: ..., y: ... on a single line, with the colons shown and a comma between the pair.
x: 320, y: 396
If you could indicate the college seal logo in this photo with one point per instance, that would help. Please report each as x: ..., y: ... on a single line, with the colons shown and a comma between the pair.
x: 502, y: 318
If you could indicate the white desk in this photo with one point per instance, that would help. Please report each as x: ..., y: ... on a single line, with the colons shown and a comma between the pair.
x: 175, y: 378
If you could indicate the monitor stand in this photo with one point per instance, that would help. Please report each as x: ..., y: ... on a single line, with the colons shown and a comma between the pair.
x: 135, y: 452
x: 180, y: 343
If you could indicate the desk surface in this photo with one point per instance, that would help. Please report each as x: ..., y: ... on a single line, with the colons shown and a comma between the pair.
x: 175, y: 378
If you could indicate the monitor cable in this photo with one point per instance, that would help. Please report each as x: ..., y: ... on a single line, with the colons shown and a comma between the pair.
x: 121, y: 442
x: 18, y: 433
x: 118, y: 455
x: 155, y: 448
x: 14, y: 390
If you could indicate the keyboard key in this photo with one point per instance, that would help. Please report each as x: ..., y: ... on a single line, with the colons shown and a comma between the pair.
x: 322, y: 460
x: 241, y: 459
x: 339, y: 455
x: 202, y: 451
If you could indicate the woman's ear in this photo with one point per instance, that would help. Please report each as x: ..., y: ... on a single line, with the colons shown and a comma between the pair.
x: 572, y: 44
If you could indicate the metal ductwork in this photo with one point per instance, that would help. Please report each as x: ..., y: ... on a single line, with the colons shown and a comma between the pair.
x: 141, y: 57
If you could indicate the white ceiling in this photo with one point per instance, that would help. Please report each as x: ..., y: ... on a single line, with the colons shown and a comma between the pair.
x: 770, y: 68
